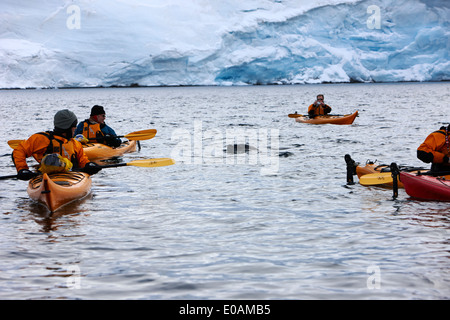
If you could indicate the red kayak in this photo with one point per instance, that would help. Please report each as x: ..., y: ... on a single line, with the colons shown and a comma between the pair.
x: 426, y: 187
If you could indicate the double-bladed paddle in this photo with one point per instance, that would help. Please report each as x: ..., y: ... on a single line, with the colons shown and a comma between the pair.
x: 137, y: 135
x: 146, y: 163
x: 296, y: 115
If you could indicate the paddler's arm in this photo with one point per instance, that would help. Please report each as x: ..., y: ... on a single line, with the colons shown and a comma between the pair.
x: 33, y: 146
x: 111, y: 136
x: 427, y: 150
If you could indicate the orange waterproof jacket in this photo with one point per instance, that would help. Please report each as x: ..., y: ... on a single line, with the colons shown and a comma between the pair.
x: 319, y: 110
x: 435, y: 148
x: 43, y: 143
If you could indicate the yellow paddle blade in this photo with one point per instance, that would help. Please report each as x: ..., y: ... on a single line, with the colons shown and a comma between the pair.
x: 373, y: 179
x: 141, y: 135
x: 158, y: 162
x: 295, y: 115
x: 148, y: 131
x: 14, y: 143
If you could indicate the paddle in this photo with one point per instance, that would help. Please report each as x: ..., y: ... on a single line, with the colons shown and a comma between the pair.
x: 146, y: 163
x: 14, y: 143
x: 8, y: 177
x: 296, y: 115
x: 373, y: 179
x: 137, y: 135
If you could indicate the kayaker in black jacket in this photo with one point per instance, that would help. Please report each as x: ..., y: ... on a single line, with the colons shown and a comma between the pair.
x: 436, y: 150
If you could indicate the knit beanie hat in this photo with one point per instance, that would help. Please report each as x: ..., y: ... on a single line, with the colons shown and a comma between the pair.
x: 65, y: 119
x: 96, y: 110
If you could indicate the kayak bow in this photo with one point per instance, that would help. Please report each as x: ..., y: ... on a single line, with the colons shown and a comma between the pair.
x: 58, y: 189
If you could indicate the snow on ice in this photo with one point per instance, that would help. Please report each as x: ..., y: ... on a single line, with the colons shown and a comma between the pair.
x: 88, y: 43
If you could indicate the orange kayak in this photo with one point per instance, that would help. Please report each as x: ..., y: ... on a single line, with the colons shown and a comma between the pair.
x: 328, y: 119
x: 95, y: 151
x: 57, y: 189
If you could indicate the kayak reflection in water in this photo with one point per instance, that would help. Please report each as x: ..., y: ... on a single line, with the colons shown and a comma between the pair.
x: 436, y: 150
x: 59, y: 141
x: 319, y: 108
x: 96, y: 130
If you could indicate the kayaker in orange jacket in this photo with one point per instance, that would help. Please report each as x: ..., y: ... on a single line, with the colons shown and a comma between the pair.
x: 58, y: 141
x: 436, y: 150
x: 318, y: 108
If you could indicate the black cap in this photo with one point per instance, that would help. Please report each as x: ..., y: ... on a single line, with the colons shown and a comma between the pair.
x: 96, y: 110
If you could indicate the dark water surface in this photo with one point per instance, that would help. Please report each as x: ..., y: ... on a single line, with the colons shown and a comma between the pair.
x: 274, y: 222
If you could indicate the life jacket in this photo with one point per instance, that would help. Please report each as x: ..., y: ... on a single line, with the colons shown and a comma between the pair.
x: 92, y: 131
x: 319, y: 110
x: 61, y: 146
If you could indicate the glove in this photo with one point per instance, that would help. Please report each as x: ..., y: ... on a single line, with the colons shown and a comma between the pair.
x: 91, y: 168
x: 112, y: 141
x: 25, y: 174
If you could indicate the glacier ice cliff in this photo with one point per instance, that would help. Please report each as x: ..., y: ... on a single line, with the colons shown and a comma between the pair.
x: 89, y: 43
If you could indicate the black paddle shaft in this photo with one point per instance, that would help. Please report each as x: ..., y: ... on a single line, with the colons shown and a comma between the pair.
x: 8, y: 177
x: 114, y: 165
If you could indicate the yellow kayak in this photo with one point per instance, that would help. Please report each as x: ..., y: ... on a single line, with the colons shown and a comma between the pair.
x: 374, y: 174
x: 57, y: 189
x: 96, y: 151
x: 371, y: 168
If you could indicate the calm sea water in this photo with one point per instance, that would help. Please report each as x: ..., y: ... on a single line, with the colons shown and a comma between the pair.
x: 275, y: 222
